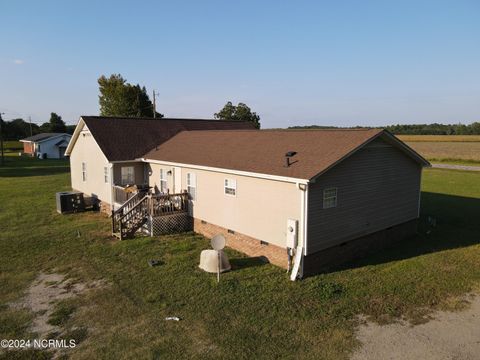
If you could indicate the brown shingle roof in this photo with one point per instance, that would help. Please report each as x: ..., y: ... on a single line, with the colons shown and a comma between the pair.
x: 130, y: 138
x: 263, y: 151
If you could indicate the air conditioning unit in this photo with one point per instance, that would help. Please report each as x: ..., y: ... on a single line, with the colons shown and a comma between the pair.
x: 70, y: 202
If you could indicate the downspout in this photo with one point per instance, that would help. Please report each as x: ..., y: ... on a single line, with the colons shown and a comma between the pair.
x: 110, y: 170
x: 297, y: 271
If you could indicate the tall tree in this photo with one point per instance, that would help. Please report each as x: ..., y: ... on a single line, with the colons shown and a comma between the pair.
x: 241, y: 112
x: 57, y: 124
x: 119, y: 98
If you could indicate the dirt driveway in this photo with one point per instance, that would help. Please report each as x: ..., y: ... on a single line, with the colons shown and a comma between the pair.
x: 450, y: 335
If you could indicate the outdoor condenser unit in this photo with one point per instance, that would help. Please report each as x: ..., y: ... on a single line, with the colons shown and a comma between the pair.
x: 69, y: 202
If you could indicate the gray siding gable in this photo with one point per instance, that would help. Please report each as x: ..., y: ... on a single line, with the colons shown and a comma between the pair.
x: 377, y: 187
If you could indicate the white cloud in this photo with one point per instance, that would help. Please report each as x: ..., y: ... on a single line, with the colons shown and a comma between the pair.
x: 18, y: 61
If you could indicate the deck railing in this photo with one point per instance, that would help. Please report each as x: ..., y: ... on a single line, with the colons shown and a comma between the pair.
x: 120, y: 195
x: 168, y: 204
x: 135, y: 211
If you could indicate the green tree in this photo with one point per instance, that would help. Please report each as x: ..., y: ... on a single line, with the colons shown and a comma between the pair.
x: 57, y: 124
x: 241, y: 112
x: 119, y: 98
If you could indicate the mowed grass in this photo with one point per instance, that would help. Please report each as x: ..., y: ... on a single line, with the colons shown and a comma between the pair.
x: 254, y: 312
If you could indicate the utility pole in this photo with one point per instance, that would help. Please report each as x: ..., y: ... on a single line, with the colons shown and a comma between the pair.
x: 155, y: 103
x: 1, y: 139
x: 30, y: 122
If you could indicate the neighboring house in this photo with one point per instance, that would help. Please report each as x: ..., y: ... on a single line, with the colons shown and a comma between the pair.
x: 46, y: 145
x: 323, y: 195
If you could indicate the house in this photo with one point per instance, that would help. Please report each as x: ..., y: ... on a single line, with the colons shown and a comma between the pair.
x: 311, y: 198
x: 46, y: 145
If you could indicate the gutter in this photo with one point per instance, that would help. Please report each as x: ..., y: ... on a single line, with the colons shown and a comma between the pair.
x: 229, y: 171
x: 301, y: 250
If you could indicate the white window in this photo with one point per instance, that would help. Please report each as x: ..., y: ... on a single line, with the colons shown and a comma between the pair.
x: 192, y: 185
x: 329, y: 198
x: 84, y: 171
x: 105, y: 174
x: 163, y: 181
x: 128, y: 175
x: 230, y: 187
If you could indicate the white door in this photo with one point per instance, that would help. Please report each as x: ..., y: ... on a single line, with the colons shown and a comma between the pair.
x: 177, y: 173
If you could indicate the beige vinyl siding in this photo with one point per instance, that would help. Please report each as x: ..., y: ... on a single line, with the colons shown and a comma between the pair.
x: 139, y: 169
x: 154, y: 178
x: 377, y: 187
x: 87, y: 151
x: 259, y: 209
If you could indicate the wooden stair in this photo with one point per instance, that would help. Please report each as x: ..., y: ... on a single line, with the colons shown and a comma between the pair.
x: 131, y: 216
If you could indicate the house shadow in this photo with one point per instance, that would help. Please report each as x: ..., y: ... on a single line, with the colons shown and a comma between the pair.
x: 248, y: 262
x: 446, y: 222
x: 28, y: 167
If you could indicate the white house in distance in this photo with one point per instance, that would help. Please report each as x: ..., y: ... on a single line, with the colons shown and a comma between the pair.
x: 308, y: 198
x: 46, y: 145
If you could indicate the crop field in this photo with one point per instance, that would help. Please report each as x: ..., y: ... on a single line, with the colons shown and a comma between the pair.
x: 446, y: 148
x: 439, y: 138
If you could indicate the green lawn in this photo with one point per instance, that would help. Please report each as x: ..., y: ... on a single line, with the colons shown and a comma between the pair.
x: 255, y: 311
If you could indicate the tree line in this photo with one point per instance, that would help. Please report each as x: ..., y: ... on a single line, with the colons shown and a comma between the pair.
x: 414, y: 129
x: 17, y: 129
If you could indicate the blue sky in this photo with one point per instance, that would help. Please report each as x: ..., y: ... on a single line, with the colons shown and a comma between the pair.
x: 293, y: 62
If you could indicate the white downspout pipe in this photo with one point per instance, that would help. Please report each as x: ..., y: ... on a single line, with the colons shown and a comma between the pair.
x: 302, y: 240
x: 111, y: 174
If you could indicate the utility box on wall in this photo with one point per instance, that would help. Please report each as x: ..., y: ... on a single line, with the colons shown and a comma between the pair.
x: 292, y: 233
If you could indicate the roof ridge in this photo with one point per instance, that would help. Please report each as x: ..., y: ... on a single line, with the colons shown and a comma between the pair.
x: 156, y: 119
x: 283, y: 130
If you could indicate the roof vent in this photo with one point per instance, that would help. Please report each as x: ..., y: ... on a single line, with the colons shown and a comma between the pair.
x: 288, y: 155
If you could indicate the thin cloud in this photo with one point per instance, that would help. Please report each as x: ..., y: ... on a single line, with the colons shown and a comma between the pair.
x: 18, y: 61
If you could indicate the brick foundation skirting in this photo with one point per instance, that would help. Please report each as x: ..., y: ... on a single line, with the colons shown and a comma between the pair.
x: 243, y: 243
x: 327, y: 259
x: 105, y: 208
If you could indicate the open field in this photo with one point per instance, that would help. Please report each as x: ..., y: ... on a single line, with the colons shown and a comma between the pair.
x: 467, y: 152
x: 454, y: 149
x: 12, y: 146
x: 439, y: 138
x: 255, y: 312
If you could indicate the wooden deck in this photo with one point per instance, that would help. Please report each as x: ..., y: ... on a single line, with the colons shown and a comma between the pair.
x: 143, y: 206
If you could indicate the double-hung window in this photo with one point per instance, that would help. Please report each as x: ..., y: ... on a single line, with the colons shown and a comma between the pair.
x: 329, y: 198
x: 230, y: 187
x: 105, y: 174
x: 192, y: 185
x: 128, y: 175
x: 163, y: 181
x: 84, y: 171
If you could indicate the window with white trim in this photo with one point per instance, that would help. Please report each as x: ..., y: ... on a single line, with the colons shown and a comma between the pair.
x: 329, y: 198
x: 128, y: 175
x: 192, y: 185
x: 230, y: 187
x: 84, y: 171
x: 105, y: 174
x: 163, y: 181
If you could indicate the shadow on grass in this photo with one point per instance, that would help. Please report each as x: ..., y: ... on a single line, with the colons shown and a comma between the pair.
x: 247, y: 262
x: 25, y: 167
x: 456, y: 225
